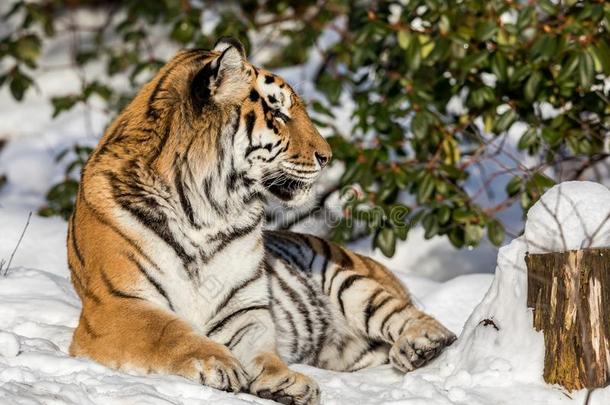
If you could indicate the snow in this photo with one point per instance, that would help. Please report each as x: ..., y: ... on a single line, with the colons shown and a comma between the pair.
x: 9, y: 345
x: 579, y: 212
x: 435, y: 258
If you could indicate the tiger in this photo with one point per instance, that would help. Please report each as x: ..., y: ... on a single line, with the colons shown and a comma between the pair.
x: 168, y: 253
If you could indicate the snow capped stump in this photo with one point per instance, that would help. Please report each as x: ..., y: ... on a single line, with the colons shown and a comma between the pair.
x: 570, y: 294
x: 570, y: 291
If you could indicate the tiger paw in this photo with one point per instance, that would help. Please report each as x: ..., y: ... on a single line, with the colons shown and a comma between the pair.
x: 286, y: 387
x: 420, y: 342
x: 220, y: 372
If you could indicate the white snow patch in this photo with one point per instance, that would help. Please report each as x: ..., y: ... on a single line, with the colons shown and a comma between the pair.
x: 489, y: 79
x: 9, y: 344
x: 571, y: 215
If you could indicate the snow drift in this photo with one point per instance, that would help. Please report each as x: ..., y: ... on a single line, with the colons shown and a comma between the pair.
x: 498, y: 348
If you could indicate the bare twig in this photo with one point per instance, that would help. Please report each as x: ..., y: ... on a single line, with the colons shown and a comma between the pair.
x: 592, y: 161
x: 588, y: 397
x: 10, y: 260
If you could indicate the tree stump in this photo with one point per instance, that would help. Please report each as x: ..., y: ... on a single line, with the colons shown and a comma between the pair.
x: 570, y: 295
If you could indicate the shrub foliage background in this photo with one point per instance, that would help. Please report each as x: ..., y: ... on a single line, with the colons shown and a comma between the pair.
x: 401, y: 64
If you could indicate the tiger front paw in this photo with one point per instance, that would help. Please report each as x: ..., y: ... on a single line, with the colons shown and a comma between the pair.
x: 286, y: 387
x: 421, y: 341
x: 223, y: 372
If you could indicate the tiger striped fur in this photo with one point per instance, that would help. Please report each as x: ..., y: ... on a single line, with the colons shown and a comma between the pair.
x: 168, y: 254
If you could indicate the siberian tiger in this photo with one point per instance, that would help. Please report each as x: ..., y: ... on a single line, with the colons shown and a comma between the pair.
x: 168, y: 254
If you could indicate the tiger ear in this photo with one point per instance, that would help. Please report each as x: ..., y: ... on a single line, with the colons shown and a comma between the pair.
x: 232, y: 75
x: 225, y: 42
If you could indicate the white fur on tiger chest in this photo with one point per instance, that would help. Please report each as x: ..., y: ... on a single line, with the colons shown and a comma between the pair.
x: 197, y: 299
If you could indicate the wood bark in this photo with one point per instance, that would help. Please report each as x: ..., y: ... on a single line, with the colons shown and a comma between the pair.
x: 570, y: 295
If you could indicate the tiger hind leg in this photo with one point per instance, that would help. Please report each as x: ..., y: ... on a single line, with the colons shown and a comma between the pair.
x: 353, y: 353
x: 379, y: 308
x: 373, y: 317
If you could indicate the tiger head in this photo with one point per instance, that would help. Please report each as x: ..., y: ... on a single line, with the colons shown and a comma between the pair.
x: 236, y: 122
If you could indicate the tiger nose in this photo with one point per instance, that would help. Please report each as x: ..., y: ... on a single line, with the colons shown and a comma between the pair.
x: 322, y: 159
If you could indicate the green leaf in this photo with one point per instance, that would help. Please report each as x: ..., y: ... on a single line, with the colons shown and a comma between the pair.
x: 414, y: 55
x: 602, y: 51
x: 526, y: 17
x: 444, y: 25
x: 462, y: 215
x: 420, y: 124
x: 27, y: 48
x: 552, y: 136
x: 402, y: 232
x: 473, y: 61
x: 520, y: 73
x: 386, y: 241
x: 61, y: 104
x: 98, y: 88
x: 19, y: 84
x: 478, y: 97
x: 61, y: 198
x: 531, y: 86
x: 183, y: 31
x: 543, y: 48
x: 541, y: 182
x: 430, y: 224
x: 388, y: 189
x: 83, y: 57
x: 404, y: 39
x: 426, y: 188
x: 505, y: 121
x: 495, y: 232
x: 549, y: 48
x: 498, y: 66
x: 513, y: 187
x: 528, y: 138
x: 402, y: 179
x: 443, y: 215
x: 473, y: 234
x: 548, y: 6
x: 134, y: 36
x: 485, y: 30
x: 41, y: 14
x: 456, y: 237
x: 568, y: 68
x: 525, y: 201
x: 585, y: 69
